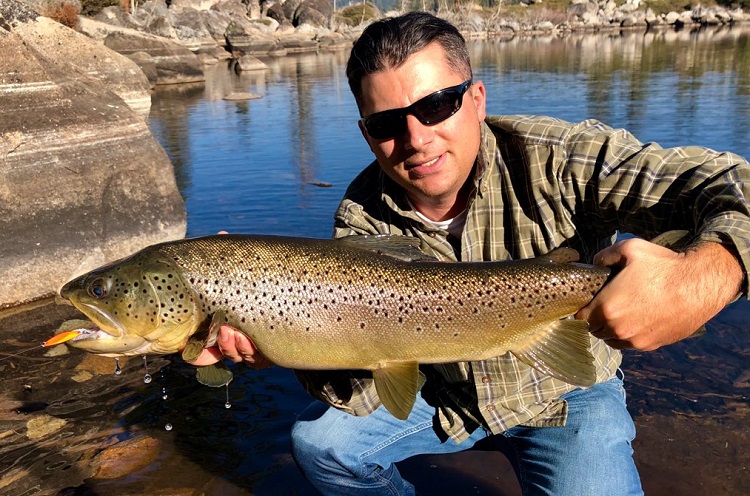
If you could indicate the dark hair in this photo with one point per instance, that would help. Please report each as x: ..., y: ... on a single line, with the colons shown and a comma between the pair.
x: 387, y: 43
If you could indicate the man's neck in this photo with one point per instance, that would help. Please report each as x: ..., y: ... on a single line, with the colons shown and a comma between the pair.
x: 440, y: 209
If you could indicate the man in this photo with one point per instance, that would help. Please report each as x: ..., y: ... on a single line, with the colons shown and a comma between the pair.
x: 476, y: 187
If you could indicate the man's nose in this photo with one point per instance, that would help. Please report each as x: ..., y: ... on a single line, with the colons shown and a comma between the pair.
x: 417, y: 135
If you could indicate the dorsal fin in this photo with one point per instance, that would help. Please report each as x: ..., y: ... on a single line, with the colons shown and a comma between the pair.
x: 404, y: 248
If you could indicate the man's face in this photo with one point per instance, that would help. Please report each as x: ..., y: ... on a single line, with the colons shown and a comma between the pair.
x: 432, y: 162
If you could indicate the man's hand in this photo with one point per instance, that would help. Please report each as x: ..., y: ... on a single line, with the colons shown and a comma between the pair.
x: 235, y: 346
x: 658, y: 296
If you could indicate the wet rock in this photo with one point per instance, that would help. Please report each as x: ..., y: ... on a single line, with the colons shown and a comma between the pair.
x: 297, y: 44
x: 126, y: 457
x: 11, y: 477
x: 43, y: 425
x: 214, y: 55
x: 107, y: 188
x: 241, y: 96
x: 99, y: 365
x: 247, y: 63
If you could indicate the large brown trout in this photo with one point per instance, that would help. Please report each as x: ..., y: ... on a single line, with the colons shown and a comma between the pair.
x: 362, y: 302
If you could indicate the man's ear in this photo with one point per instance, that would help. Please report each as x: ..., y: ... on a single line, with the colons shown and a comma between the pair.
x: 479, y: 98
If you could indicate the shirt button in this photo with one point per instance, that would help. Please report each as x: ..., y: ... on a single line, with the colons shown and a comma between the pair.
x: 486, y: 379
x: 490, y: 408
x: 432, y: 234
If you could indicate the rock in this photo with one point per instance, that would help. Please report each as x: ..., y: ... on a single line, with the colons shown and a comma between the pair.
x: 544, y: 26
x: 334, y: 41
x: 633, y: 20
x: 672, y: 17
x: 119, y: 74
x: 82, y: 179
x: 126, y: 457
x: 147, y: 64
x: 298, y: 44
x: 247, y: 63
x: 43, y: 425
x: 249, y: 38
x: 174, y: 62
x: 210, y: 56
x: 98, y: 365
x: 241, y: 96
x: 582, y: 8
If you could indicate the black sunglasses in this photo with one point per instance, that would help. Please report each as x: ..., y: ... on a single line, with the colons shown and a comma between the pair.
x: 434, y: 108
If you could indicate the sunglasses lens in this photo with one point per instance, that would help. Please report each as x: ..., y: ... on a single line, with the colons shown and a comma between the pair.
x: 385, y: 125
x: 436, y: 108
x: 431, y: 109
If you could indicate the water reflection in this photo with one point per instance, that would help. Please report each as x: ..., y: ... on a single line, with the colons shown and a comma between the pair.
x: 237, y: 162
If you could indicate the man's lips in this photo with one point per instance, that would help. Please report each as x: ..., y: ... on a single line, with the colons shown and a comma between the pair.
x: 422, y: 168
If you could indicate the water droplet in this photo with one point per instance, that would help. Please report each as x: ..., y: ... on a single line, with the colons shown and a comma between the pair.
x: 228, y: 404
x: 164, y: 395
x: 146, y: 378
x: 168, y: 427
x: 118, y: 370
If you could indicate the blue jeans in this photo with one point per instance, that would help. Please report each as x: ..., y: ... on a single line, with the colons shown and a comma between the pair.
x: 341, y: 454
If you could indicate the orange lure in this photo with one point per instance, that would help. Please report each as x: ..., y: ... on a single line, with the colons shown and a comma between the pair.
x: 61, y: 338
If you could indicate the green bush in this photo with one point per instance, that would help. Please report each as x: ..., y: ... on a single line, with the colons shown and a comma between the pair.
x: 354, y: 15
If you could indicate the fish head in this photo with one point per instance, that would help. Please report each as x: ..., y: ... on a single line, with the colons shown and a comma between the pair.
x: 141, y: 305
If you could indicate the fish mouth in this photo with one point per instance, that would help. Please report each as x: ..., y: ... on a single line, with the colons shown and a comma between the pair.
x: 101, y: 342
x: 105, y: 322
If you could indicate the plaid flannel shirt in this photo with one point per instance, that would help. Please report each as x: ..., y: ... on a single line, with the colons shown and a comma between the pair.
x: 541, y: 183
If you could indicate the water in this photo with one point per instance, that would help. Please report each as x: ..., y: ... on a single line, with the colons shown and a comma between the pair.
x: 247, y: 167
x: 250, y: 167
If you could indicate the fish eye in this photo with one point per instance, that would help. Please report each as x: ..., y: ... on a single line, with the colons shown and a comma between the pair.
x: 97, y: 288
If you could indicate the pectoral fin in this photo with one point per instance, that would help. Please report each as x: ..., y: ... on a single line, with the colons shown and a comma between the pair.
x: 562, y: 351
x: 397, y: 385
x: 204, y: 338
x: 214, y: 375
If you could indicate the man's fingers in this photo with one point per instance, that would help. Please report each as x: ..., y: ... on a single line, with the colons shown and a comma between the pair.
x: 208, y: 356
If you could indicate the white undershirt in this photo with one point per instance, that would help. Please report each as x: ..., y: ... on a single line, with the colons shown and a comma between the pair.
x: 454, y: 226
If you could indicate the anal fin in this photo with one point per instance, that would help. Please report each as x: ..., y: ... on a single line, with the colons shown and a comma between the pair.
x: 397, y: 385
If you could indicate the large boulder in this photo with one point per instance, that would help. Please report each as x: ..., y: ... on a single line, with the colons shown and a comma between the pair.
x: 118, y: 73
x: 174, y: 62
x: 82, y: 179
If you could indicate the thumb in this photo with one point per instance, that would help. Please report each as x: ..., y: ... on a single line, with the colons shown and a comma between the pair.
x: 610, y: 256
